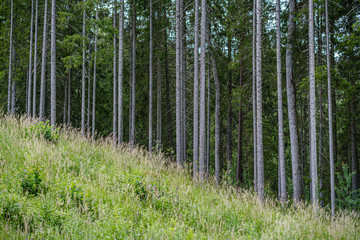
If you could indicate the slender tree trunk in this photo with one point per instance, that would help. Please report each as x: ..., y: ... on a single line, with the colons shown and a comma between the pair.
x: 178, y: 86
x: 202, y: 137
x: 83, y: 73
x: 239, y: 169
x: 282, y: 172
x: 65, y: 100
x: 114, y: 78
x: 290, y: 86
x: 330, y: 115
x: 13, y: 98
x: 151, y: 81
x: 183, y: 81
x: 158, y: 104
x: 168, y: 102
x: 130, y: 72
x: 88, y: 99
x: 208, y: 123
x: 69, y: 99
x: 94, y: 79
x: 254, y: 95
x: 132, y: 135
x: 35, y: 58
x: 120, y: 73
x: 259, y: 130
x: 53, y: 63
x: 312, y: 103
x: 354, y: 158
x: 10, y: 57
x: 28, y: 101
x: 217, y: 121
x: 43, y: 66
x: 196, y: 94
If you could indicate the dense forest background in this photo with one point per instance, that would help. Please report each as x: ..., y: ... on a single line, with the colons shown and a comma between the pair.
x: 158, y: 40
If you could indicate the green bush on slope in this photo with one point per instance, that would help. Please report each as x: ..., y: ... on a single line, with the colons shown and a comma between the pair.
x: 97, y: 191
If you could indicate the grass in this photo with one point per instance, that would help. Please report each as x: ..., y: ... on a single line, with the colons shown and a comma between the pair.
x: 76, y: 189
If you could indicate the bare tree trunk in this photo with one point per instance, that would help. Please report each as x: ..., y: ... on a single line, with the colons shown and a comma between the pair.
x: 132, y: 135
x: 183, y: 81
x: 158, y: 104
x: 282, y: 172
x: 259, y: 130
x: 94, y: 78
x: 202, y: 137
x: 239, y: 168
x: 83, y: 74
x: 10, y: 58
x: 69, y: 99
x: 168, y: 102
x: 217, y: 121
x: 290, y: 86
x: 88, y: 99
x: 43, y: 66
x: 354, y: 158
x: 178, y: 86
x: 196, y: 93
x: 35, y: 58
x: 120, y: 72
x: 313, y: 152
x: 254, y: 95
x: 53, y: 64
x: 208, y: 122
x: 13, y: 98
x: 151, y: 81
x: 114, y: 79
x: 330, y: 115
x: 28, y: 100
x: 65, y: 100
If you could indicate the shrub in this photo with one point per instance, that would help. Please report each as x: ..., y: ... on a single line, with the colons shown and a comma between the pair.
x: 44, y: 129
x: 31, y: 181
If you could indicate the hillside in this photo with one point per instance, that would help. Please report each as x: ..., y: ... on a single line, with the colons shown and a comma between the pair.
x: 70, y: 188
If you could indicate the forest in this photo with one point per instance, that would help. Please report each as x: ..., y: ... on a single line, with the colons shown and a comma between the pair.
x: 257, y: 95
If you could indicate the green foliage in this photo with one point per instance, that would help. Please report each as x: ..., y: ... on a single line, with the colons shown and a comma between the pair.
x: 45, y: 130
x: 31, y: 181
x: 346, y: 198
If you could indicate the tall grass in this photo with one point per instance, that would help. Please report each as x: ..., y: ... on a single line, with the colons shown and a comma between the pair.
x: 79, y: 189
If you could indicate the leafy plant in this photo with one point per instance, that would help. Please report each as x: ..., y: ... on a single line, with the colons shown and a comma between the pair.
x: 44, y: 129
x: 31, y: 181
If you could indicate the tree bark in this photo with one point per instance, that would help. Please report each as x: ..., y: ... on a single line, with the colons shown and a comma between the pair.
x: 254, y: 94
x: 312, y: 103
x: 53, y: 64
x: 158, y: 104
x: 178, y: 86
x: 83, y: 73
x: 133, y: 78
x: 291, y: 99
x: 94, y: 79
x: 196, y: 94
x: 13, y: 98
x: 354, y: 156
x: 35, y: 58
x: 120, y: 72
x: 28, y: 100
x: 281, y: 146
x: 217, y: 121
x: 10, y: 58
x: 114, y: 78
x: 69, y: 99
x: 151, y: 81
x: 43, y: 66
x: 239, y: 168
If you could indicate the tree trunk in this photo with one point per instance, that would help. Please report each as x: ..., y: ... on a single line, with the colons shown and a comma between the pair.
x: 168, y: 102
x: 281, y: 146
x: 202, y: 137
x: 217, y: 122
x: 259, y: 131
x: 10, y: 58
x: 69, y: 99
x: 43, y: 66
x: 53, y: 64
x: 83, y: 74
x: 13, y: 98
x: 239, y: 168
x: 94, y: 78
x: 178, y: 86
x: 254, y: 95
x: 35, y: 58
x: 120, y: 72
x: 196, y: 93
x: 65, y: 100
x: 133, y: 78
x: 28, y: 101
x: 151, y: 80
x: 158, y: 104
x: 291, y: 99
x: 330, y: 116
x: 183, y: 81
x: 354, y: 159
x: 89, y: 95
x: 208, y: 123
x: 312, y: 103
x: 114, y: 79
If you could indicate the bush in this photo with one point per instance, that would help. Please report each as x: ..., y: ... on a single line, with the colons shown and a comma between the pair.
x: 44, y: 129
x: 31, y: 181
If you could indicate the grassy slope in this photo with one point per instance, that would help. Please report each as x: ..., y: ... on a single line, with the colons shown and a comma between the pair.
x: 95, y: 191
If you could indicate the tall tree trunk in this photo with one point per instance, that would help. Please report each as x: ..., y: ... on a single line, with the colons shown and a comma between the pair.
x: 291, y: 99
x: 65, y: 100
x: 168, y: 102
x: 43, y: 66
x: 88, y: 97
x: 151, y: 80
x: 178, y: 85
x: 202, y: 137
x: 10, y: 57
x: 196, y: 93
x: 69, y: 99
x: 35, y: 58
x: 114, y: 78
x: 183, y: 81
x: 281, y: 146
x: 217, y: 121
x: 83, y: 73
x: 158, y: 104
x: 254, y: 94
x: 130, y: 72
x: 259, y: 130
x: 94, y: 78
x: 239, y: 168
x: 330, y: 115
x: 312, y: 103
x: 208, y: 122
x: 28, y: 100
x: 120, y: 72
x: 13, y: 98
x: 132, y: 135
x: 53, y: 64
x: 354, y: 158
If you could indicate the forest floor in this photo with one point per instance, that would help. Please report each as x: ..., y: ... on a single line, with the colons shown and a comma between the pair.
x: 63, y: 186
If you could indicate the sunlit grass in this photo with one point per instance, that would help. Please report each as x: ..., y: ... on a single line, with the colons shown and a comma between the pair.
x: 93, y: 190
